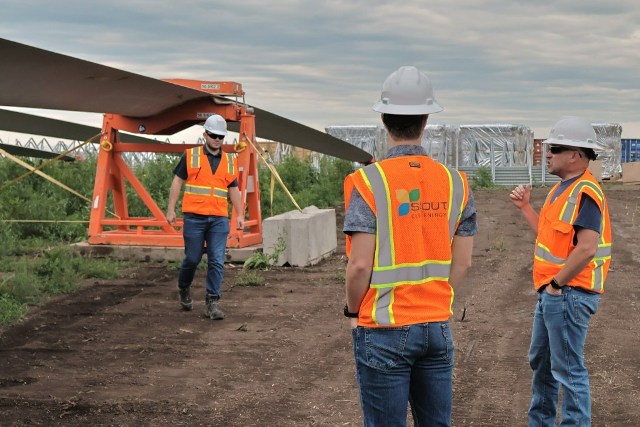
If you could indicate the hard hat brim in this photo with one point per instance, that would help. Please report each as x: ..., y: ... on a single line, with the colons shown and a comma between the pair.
x: 407, y: 110
x: 570, y: 143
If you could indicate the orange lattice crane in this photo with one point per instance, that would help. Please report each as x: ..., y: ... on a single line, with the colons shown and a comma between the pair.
x: 113, y: 172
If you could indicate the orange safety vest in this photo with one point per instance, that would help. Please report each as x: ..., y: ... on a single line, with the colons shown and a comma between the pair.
x: 556, y: 234
x: 205, y: 192
x: 418, y: 204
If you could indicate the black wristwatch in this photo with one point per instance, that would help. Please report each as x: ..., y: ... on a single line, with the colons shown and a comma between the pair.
x: 554, y: 284
x: 347, y: 313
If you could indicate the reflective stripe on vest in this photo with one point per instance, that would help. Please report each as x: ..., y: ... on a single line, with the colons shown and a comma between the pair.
x: 220, y: 192
x: 230, y: 163
x: 602, y: 253
x: 570, y: 208
x: 456, y: 201
x: 386, y: 275
x: 568, y: 214
x: 205, y: 191
x: 195, y: 157
x: 197, y: 189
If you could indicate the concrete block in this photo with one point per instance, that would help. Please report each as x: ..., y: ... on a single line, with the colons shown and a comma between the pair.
x: 130, y: 253
x: 154, y: 253
x: 309, y: 235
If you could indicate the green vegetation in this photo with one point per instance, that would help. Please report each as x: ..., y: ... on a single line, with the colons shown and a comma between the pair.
x: 261, y: 261
x: 30, y: 279
x: 249, y: 278
x: 38, y: 220
x: 482, y: 178
x: 322, y: 188
x: 35, y: 260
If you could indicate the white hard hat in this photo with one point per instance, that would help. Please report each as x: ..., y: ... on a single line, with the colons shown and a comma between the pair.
x: 407, y: 91
x: 573, y: 131
x: 216, y: 124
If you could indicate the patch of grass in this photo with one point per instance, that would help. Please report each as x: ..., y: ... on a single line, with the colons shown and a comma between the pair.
x: 7, y: 263
x: 58, y: 270
x: 249, y: 278
x: 62, y: 270
x: 174, y: 265
x: 499, y: 244
x: 100, y: 268
x: 11, y: 310
x: 23, y: 286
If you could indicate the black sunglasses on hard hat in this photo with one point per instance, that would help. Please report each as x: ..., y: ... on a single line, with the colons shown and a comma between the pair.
x: 557, y: 149
x: 214, y: 135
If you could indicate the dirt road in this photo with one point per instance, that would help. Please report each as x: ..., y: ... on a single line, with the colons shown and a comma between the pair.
x: 122, y: 353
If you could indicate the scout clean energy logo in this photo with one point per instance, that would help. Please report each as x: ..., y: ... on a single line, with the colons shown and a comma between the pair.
x: 406, y: 198
x: 410, y: 203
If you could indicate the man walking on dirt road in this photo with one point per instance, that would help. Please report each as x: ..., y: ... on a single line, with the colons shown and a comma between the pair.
x: 410, y: 223
x: 572, y: 257
x: 210, y: 176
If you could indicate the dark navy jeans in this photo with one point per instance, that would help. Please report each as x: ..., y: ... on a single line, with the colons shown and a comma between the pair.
x: 400, y: 365
x: 196, y: 230
x: 560, y: 326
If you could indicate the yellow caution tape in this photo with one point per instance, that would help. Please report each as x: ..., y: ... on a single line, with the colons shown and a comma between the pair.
x: 44, y: 175
x: 271, y: 188
x: 35, y: 170
x: 274, y: 173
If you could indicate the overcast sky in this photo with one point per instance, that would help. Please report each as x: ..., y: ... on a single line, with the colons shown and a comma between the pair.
x: 322, y: 63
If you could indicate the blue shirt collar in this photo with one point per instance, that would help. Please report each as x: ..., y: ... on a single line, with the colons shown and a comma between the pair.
x: 405, y: 150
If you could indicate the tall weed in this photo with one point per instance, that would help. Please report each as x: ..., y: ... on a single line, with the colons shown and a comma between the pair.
x: 482, y: 178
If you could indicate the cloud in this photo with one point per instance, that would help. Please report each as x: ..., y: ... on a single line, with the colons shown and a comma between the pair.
x: 323, y: 63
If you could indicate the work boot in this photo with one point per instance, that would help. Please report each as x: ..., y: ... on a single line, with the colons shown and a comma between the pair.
x: 212, y: 311
x: 185, y: 298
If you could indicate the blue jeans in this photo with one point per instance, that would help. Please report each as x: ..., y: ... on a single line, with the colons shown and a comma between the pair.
x: 560, y: 326
x: 196, y: 230
x: 409, y: 364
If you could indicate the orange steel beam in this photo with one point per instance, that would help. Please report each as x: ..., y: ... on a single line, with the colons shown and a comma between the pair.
x: 112, y: 172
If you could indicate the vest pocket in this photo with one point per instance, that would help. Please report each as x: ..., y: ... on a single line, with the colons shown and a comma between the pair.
x: 196, y: 199
x: 561, y: 226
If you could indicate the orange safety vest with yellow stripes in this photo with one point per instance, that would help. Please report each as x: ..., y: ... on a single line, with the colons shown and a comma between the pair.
x: 205, y: 192
x: 418, y: 204
x: 555, y: 240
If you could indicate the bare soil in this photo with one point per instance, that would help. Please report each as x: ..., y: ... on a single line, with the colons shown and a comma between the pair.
x: 121, y: 352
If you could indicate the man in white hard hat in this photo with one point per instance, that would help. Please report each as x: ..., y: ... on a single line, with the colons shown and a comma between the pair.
x: 210, y: 177
x: 572, y: 257
x: 410, y: 223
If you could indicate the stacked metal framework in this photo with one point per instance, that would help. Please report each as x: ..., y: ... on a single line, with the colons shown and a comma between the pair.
x: 507, y: 149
